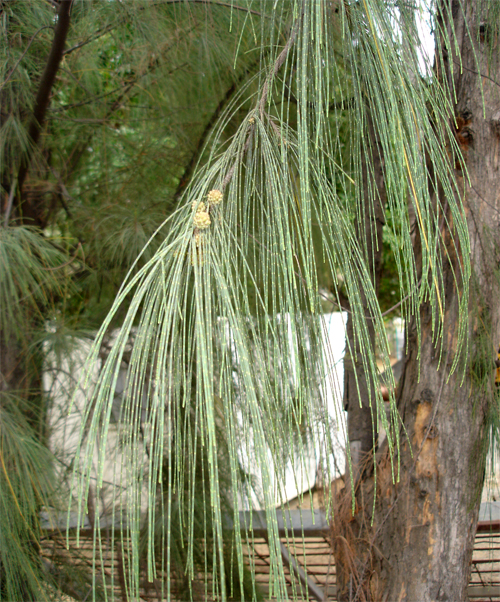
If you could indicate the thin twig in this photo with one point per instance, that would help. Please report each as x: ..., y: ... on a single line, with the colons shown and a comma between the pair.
x: 63, y: 265
x: 86, y: 101
x: 277, y: 66
x: 96, y: 36
x: 10, y: 202
x: 477, y: 73
x: 211, y: 3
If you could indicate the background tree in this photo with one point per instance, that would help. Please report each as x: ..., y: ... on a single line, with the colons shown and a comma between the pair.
x: 104, y: 113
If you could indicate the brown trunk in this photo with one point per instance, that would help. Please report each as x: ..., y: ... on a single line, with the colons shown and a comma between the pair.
x: 419, y: 546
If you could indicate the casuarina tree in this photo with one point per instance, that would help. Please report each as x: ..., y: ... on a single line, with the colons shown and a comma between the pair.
x: 246, y: 164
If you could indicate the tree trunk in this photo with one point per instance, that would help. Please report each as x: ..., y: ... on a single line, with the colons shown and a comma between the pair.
x: 369, y: 224
x: 419, y: 545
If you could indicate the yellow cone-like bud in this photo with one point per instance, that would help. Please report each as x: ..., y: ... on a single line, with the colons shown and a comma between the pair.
x: 198, y: 205
x: 214, y: 197
x: 201, y: 220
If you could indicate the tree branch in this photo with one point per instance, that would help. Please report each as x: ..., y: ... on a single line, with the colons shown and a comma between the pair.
x: 277, y: 66
x: 43, y: 96
x: 188, y: 170
x: 96, y: 36
x: 265, y: 92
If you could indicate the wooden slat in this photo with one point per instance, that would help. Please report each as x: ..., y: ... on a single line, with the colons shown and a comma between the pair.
x: 311, y: 552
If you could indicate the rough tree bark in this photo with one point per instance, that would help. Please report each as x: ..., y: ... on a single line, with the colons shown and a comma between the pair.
x: 419, y: 546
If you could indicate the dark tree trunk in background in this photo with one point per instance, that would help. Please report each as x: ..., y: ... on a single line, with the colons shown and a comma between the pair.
x: 26, y: 211
x: 419, y: 546
x: 356, y: 387
x: 21, y: 359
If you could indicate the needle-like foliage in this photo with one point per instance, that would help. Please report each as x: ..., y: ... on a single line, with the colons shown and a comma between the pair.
x: 225, y: 295
x: 25, y: 483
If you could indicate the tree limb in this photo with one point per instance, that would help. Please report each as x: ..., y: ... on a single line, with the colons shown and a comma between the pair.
x: 277, y: 66
x: 43, y: 96
x: 97, y: 35
x: 188, y: 170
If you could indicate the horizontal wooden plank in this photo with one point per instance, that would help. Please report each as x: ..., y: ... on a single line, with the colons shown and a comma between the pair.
x: 307, y: 543
x: 484, y: 591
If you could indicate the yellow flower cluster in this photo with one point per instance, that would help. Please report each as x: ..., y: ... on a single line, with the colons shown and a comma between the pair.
x: 201, y: 220
x: 214, y: 197
x: 198, y: 206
